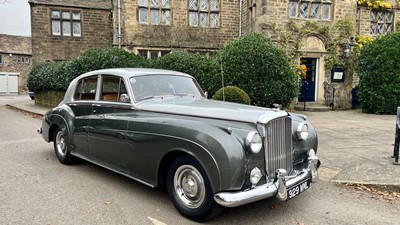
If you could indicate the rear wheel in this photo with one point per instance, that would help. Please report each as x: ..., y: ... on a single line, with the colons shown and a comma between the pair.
x: 190, y: 190
x: 61, y: 148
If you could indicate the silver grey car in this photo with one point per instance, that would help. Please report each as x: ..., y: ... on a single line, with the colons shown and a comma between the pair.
x: 157, y: 126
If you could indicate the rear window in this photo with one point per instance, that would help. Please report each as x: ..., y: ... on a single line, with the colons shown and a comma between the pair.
x: 86, y: 89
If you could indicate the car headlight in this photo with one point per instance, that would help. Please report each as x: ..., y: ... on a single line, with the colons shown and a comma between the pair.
x: 254, y: 142
x: 302, y: 131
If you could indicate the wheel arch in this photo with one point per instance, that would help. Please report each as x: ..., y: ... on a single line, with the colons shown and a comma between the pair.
x: 58, y: 121
x: 211, y: 169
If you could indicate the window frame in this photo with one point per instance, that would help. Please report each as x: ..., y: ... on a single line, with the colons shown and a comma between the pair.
x: 23, y: 59
x: 121, y: 89
x: 149, y: 8
x: 209, y: 13
x: 147, y: 53
x: 384, y: 22
x: 80, y: 88
x: 61, y: 21
x: 251, y: 9
x: 309, y: 11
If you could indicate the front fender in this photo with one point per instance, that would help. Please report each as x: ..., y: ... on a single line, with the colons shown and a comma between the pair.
x: 218, y: 149
x: 301, y: 147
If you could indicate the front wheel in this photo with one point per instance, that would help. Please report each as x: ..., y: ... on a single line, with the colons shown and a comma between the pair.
x: 61, y: 148
x: 190, y: 190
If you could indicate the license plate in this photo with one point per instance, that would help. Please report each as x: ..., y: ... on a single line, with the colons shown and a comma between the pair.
x: 298, y: 189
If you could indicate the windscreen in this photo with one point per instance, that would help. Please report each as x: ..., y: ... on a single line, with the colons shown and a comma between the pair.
x: 151, y: 86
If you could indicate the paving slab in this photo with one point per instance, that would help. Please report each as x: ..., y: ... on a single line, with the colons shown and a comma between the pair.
x: 358, y: 147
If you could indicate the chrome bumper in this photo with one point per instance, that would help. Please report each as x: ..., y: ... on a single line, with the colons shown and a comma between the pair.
x: 278, y: 188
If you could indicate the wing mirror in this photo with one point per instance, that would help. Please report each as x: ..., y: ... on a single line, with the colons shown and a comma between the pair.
x: 124, y: 98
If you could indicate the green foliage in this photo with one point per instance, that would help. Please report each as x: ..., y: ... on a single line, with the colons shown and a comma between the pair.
x: 252, y: 62
x: 199, y: 66
x: 57, y: 76
x: 379, y: 69
x: 376, y: 4
x: 41, y: 77
x: 260, y: 68
x: 232, y: 94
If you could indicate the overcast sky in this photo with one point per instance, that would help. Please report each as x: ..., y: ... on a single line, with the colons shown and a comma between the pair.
x: 15, y: 17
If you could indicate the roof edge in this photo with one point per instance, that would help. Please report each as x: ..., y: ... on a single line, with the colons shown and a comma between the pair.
x: 35, y: 2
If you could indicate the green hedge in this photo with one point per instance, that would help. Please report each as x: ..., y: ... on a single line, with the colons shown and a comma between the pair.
x: 379, y: 69
x: 251, y: 62
x: 41, y: 77
x: 57, y: 76
x: 254, y: 63
x: 232, y: 94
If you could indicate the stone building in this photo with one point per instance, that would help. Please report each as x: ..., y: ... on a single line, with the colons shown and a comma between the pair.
x: 15, y: 63
x: 321, y: 34
x: 63, y: 29
x: 152, y: 28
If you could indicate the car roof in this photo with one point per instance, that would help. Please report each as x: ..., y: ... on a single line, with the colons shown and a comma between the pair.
x: 131, y: 72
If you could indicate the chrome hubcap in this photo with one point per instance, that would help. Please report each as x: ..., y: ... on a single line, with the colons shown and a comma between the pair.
x: 60, y: 144
x: 189, y: 186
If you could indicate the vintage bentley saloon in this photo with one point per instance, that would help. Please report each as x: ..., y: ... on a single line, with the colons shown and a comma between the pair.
x: 157, y: 126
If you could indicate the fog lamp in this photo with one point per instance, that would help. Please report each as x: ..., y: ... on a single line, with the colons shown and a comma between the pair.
x: 255, y: 176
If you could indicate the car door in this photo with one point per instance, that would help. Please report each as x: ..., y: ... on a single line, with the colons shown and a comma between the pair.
x: 108, y: 125
x: 82, y: 107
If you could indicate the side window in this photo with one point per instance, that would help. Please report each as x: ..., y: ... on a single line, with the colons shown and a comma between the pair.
x: 112, y: 88
x: 86, y: 89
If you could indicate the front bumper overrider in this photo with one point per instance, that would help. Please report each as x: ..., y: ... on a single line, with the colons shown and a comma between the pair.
x: 278, y: 188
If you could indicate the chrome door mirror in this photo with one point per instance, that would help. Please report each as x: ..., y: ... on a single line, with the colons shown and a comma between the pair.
x: 124, y: 98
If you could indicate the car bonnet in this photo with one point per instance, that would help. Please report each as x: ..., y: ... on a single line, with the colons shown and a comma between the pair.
x: 210, y: 109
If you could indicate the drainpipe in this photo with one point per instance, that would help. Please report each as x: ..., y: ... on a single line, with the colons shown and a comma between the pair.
x: 119, y: 24
x: 240, y: 17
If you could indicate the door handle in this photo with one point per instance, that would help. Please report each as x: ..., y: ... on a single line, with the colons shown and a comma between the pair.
x: 96, y: 105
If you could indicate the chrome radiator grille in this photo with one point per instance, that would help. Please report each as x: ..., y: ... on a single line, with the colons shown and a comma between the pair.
x: 278, y: 146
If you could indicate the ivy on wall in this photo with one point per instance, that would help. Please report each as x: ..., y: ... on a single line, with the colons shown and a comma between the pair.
x: 376, y: 4
x: 335, y: 35
x: 292, y: 37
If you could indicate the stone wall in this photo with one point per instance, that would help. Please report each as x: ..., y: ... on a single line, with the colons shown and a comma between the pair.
x: 96, y: 26
x: 49, y: 99
x: 177, y: 35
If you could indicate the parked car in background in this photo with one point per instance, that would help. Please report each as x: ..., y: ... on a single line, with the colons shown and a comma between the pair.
x: 31, y: 95
x: 156, y: 126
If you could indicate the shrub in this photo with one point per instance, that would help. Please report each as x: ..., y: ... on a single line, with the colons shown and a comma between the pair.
x: 260, y: 68
x: 52, y: 76
x: 232, y: 94
x: 41, y: 77
x: 199, y: 66
x: 379, y: 70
